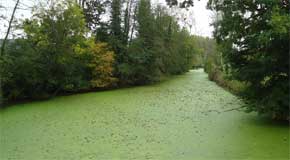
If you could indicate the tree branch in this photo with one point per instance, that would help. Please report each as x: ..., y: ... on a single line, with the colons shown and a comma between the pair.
x: 9, y: 28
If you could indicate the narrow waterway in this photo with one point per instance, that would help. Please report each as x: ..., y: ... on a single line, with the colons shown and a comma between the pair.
x: 180, y: 119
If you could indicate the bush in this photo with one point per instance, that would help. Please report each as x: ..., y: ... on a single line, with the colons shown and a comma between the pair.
x: 100, y: 64
x: 55, y: 57
x: 256, y: 49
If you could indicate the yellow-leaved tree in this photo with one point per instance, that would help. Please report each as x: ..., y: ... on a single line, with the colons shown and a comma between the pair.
x: 101, y: 63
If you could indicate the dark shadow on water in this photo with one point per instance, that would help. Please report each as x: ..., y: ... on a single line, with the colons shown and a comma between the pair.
x: 164, y: 80
x: 267, y: 121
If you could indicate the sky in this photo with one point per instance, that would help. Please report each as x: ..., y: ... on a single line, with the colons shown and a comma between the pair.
x: 198, y: 17
x: 203, y: 19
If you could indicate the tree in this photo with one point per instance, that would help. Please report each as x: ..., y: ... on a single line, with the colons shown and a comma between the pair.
x: 100, y: 63
x: 145, y: 19
x: 9, y: 28
x: 93, y: 11
x: 116, y: 29
x: 55, y: 56
x: 127, y: 21
x: 182, y: 4
x: 3, y: 45
x: 160, y: 47
x: 146, y: 34
x: 254, y: 37
x: 45, y: 62
x: 139, y: 65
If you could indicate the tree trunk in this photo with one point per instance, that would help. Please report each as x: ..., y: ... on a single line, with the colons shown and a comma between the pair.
x: 3, y: 46
x: 134, y: 24
x: 9, y: 28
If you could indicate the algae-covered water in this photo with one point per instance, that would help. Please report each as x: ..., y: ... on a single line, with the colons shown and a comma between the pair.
x: 180, y: 119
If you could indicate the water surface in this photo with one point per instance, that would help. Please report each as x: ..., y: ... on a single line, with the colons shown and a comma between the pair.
x: 180, y: 119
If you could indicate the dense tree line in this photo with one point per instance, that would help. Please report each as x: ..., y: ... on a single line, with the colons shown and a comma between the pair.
x: 67, y: 47
x: 54, y: 56
x: 253, y: 37
x: 253, y: 49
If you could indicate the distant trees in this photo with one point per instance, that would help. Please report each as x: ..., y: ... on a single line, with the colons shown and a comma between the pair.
x: 254, y: 39
x: 207, y: 55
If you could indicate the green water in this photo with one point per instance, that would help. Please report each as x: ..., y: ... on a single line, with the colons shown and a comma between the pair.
x: 180, y: 119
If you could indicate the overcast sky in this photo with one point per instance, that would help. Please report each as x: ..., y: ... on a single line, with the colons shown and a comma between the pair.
x: 203, y: 19
x: 198, y: 17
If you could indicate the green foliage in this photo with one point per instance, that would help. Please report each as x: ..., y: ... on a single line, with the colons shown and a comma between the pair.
x: 160, y: 48
x: 254, y: 39
x: 19, y: 71
x: 118, y: 34
x: 116, y: 31
x: 55, y: 56
x: 207, y: 55
x: 53, y: 33
x: 141, y: 52
x: 101, y: 61
x: 93, y: 11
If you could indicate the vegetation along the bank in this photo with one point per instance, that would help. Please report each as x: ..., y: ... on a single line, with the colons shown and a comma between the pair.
x: 251, y: 56
x: 67, y: 47
x: 138, y: 45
